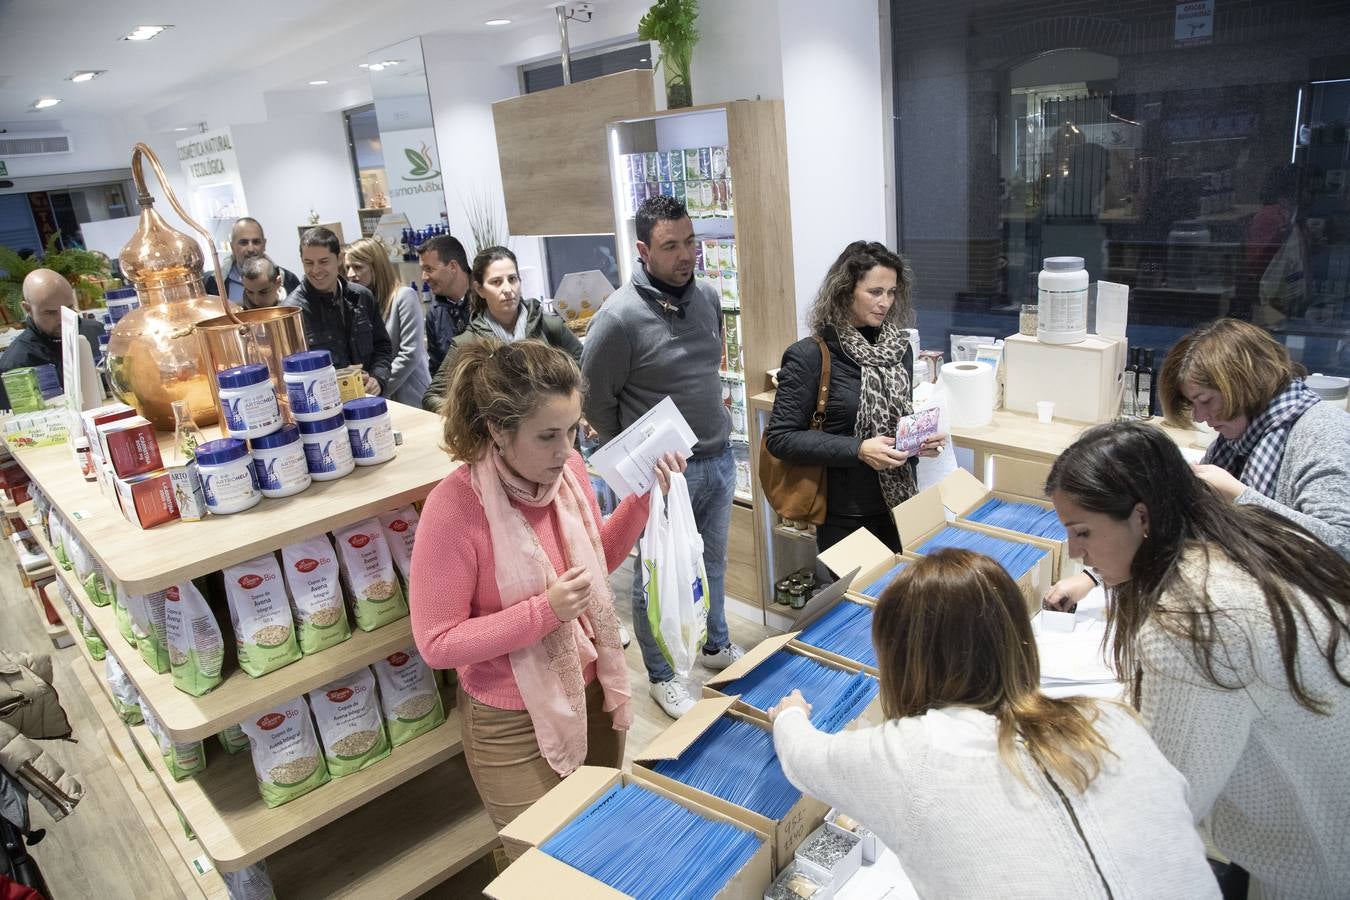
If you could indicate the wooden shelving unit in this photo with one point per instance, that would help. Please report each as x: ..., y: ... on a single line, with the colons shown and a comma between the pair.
x: 395, y: 829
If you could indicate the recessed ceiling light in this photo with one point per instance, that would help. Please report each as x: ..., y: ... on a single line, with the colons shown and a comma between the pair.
x: 45, y: 102
x: 319, y: 82
x: 376, y: 67
x: 180, y: 128
x: 84, y: 75
x: 497, y: 22
x: 145, y: 32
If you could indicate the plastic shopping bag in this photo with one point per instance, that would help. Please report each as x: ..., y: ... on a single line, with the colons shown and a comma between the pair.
x: 673, y: 576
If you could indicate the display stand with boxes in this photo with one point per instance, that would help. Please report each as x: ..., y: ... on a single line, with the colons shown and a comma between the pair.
x: 1082, y: 380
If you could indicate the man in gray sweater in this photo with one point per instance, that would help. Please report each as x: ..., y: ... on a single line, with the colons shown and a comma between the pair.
x: 661, y: 335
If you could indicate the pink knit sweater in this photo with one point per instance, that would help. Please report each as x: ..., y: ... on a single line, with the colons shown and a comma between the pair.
x: 457, y: 615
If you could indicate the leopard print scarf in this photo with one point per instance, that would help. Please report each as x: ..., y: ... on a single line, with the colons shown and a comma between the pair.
x: 884, y: 396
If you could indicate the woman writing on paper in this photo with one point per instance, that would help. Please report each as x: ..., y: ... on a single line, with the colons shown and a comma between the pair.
x: 1231, y: 626
x: 981, y: 784
x: 857, y: 317
x: 510, y: 577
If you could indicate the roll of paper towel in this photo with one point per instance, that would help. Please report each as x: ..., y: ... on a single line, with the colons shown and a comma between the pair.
x: 971, y: 388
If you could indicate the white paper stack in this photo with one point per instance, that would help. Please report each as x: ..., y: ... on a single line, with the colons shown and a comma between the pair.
x: 1075, y: 662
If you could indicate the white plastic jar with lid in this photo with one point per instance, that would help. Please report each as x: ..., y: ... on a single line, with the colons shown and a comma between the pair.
x: 1063, y: 301
x: 370, y: 430
x: 328, y: 450
x: 311, y: 385
x: 228, y: 479
x: 279, y: 461
x: 248, y: 401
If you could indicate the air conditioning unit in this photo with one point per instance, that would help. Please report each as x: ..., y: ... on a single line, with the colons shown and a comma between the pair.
x: 30, y: 144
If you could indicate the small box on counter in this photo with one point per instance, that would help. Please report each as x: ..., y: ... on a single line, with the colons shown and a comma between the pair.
x: 861, y: 559
x: 870, y: 849
x: 90, y: 419
x: 157, y: 497
x: 30, y: 388
x: 536, y: 874
x: 831, y: 853
x: 795, y: 883
x: 45, y: 428
x: 131, y: 446
x: 786, y: 833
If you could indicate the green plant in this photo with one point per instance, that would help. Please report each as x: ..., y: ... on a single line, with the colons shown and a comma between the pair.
x: 74, y: 264
x: 673, y: 24
x: 485, y: 220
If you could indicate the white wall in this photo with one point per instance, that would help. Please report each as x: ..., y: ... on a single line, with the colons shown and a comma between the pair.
x: 832, y: 104
x: 738, y: 55
x: 95, y: 144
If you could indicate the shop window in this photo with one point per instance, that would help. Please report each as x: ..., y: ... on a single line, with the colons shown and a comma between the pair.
x: 372, y: 185
x: 1196, y: 152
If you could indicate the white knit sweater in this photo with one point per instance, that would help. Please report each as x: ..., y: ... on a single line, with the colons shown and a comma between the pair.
x: 935, y: 790
x: 1273, y: 777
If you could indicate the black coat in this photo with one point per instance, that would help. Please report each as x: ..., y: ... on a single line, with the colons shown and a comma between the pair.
x: 33, y: 348
x: 852, y: 487
x: 352, y: 330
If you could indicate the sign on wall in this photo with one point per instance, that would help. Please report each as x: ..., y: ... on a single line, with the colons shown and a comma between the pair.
x: 215, y: 190
x: 1195, y: 23
x: 416, y: 187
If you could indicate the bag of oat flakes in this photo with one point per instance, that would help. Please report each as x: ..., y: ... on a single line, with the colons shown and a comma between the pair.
x: 286, y: 754
x: 351, y: 727
x: 196, y: 646
x: 261, y: 615
x: 311, y: 570
x: 56, y: 531
x: 233, y: 739
x: 400, y: 529
x: 183, y: 760
x: 408, y: 696
x: 368, y: 568
x: 126, y: 699
x: 147, y: 626
x: 120, y: 611
x: 249, y: 883
x: 92, y: 642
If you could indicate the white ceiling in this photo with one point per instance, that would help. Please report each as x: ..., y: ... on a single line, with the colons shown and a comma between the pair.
x: 265, y: 45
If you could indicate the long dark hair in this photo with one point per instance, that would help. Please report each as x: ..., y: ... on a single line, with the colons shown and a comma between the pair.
x: 486, y: 257
x: 835, y: 297
x: 1112, y: 468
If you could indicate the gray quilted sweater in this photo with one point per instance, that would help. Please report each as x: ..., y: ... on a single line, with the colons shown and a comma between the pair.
x: 1313, y: 484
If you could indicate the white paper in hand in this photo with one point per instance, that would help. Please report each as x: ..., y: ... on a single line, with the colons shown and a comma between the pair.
x: 628, y: 463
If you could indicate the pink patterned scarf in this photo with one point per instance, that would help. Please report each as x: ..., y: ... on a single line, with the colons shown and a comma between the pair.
x: 550, y: 673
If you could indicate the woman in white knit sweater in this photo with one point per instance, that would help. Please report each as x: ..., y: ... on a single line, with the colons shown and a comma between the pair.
x: 981, y: 784
x: 1231, y: 623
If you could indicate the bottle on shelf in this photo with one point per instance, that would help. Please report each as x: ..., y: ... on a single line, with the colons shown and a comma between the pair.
x: 1128, y: 380
x: 1143, y: 393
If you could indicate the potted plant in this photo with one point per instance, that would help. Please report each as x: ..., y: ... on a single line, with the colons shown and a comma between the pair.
x: 84, y: 269
x: 672, y: 24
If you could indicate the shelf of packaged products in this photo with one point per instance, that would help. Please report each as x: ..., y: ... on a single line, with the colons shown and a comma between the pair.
x: 59, y: 635
x: 744, y: 499
x: 794, y: 534
x: 240, y: 695
x: 144, y: 561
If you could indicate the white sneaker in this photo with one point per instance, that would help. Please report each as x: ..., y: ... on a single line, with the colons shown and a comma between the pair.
x: 672, y: 697
x: 722, y: 658
x: 624, y: 639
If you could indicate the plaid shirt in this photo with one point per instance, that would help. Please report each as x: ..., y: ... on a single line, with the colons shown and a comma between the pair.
x: 1254, y: 458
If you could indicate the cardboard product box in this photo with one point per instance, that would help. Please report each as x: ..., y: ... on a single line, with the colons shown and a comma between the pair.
x: 30, y: 388
x: 786, y: 833
x: 1016, y: 481
x: 860, y: 559
x: 90, y: 419
x: 536, y: 874
x: 843, y: 869
x: 871, y: 715
x: 131, y: 446
x: 1082, y: 379
x: 923, y: 515
x: 157, y: 497
x: 45, y: 428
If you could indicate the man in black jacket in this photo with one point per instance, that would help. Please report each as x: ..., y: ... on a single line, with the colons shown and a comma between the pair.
x: 339, y: 316
x: 44, y: 293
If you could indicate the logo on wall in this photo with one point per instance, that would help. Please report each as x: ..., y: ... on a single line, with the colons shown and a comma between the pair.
x: 421, y: 164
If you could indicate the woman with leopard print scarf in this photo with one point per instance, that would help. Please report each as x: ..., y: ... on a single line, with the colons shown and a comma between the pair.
x: 857, y: 318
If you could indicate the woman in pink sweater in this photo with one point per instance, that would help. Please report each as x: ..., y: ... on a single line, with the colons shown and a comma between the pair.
x: 510, y: 577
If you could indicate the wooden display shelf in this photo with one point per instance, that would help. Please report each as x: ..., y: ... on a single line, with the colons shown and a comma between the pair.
x: 143, y: 561
x: 188, y: 718
x: 59, y: 635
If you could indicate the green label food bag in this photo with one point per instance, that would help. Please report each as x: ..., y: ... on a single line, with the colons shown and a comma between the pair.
x: 183, y: 760
x: 89, y: 573
x: 56, y: 531
x: 196, y: 646
x: 233, y: 739
x: 147, y: 626
x: 120, y: 611
x: 261, y: 615
x: 311, y: 570
x: 286, y: 754
x: 88, y: 633
x: 126, y: 699
x: 351, y: 727
x: 249, y: 883
x: 400, y: 530
x: 372, y: 585
x: 408, y: 696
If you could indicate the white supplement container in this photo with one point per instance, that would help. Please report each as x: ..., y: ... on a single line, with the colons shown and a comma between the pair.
x: 328, y: 450
x: 228, y: 479
x: 1063, y: 296
x: 279, y: 462
x: 370, y: 430
x: 248, y: 401
x: 311, y: 385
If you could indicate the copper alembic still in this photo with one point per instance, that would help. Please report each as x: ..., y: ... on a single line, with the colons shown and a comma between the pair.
x: 172, y: 346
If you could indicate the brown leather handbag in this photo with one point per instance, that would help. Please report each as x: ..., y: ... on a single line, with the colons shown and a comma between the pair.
x: 796, y: 491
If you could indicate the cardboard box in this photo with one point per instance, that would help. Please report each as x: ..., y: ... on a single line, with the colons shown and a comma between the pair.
x: 1082, y: 379
x: 1016, y: 481
x: 822, y: 603
x: 860, y: 559
x: 131, y: 446
x: 871, y: 715
x: 157, y: 497
x: 38, y: 429
x: 536, y: 874
x: 90, y: 419
x: 786, y: 833
x: 923, y: 515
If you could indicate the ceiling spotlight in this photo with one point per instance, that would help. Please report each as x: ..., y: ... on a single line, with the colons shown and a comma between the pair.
x: 319, y: 82
x: 45, y: 102
x: 497, y: 22
x: 86, y: 75
x: 376, y: 67
x: 145, y: 32
x: 181, y: 128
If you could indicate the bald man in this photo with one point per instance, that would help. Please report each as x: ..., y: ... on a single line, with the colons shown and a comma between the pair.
x: 44, y: 293
x: 247, y: 241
